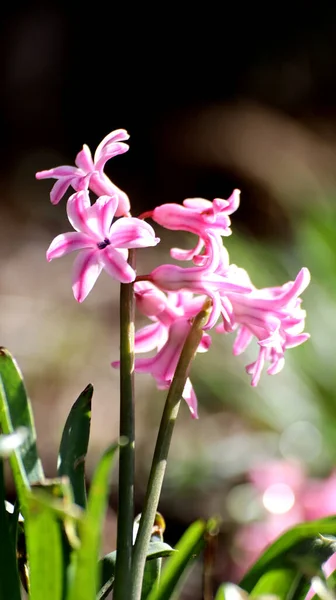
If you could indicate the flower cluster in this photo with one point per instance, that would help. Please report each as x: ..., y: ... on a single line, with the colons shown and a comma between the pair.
x: 103, y: 244
x: 171, y: 295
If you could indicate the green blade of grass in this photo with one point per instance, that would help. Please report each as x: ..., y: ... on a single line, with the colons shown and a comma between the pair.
x: 74, y: 445
x: 188, y: 548
x: 86, y: 567
x: 44, y: 548
x: 16, y: 413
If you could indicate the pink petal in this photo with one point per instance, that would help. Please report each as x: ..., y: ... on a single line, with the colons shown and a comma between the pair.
x: 59, y: 189
x: 150, y: 337
x: 101, y: 185
x: 296, y: 340
x: 108, y: 152
x: 68, y: 242
x: 301, y: 282
x: 57, y: 172
x: 116, y: 265
x: 198, y: 204
x: 256, y: 368
x: 180, y: 254
x: 86, y: 271
x: 205, y: 343
x: 149, y: 299
x: 142, y: 365
x: 228, y: 206
x: 77, y: 208
x: 276, y: 366
x: 190, y: 398
x: 84, y: 159
x: 124, y: 205
x: 243, y: 338
x: 130, y: 232
x: 118, y: 135
x: 100, y: 215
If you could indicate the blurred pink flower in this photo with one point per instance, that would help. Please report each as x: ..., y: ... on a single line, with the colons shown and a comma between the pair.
x: 288, y: 497
x: 89, y: 173
x: 103, y: 244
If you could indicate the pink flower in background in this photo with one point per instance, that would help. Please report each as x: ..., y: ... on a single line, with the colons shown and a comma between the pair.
x: 288, y: 497
x: 102, y: 244
x: 89, y: 173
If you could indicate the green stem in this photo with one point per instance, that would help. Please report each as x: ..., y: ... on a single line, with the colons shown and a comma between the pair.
x: 126, y: 452
x: 159, y: 462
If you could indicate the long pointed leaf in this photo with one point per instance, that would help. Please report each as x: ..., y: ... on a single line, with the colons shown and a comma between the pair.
x: 86, y: 568
x: 284, y: 583
x: 15, y: 413
x: 44, y: 547
x: 74, y: 445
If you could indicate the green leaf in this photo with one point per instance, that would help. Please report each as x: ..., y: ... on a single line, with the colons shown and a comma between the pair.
x: 107, y: 564
x: 159, y: 550
x: 9, y: 577
x: 44, y: 548
x: 156, y: 551
x: 188, y: 549
x: 107, y: 571
x: 283, y: 583
x: 57, y: 494
x: 15, y: 413
x: 74, y: 445
x: 303, y: 548
x: 86, y: 567
x: 151, y: 577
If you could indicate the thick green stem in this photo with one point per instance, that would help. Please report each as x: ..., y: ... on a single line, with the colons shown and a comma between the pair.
x: 126, y: 456
x: 159, y: 463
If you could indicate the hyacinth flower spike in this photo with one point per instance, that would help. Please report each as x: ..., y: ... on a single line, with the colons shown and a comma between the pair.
x: 89, y: 173
x: 102, y: 244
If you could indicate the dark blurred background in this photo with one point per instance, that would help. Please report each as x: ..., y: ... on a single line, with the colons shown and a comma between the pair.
x: 221, y: 97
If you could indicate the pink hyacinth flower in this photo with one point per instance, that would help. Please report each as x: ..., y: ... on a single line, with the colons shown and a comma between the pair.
x: 89, y: 174
x: 210, y: 279
x: 163, y: 365
x: 102, y: 244
x: 164, y: 310
x: 273, y: 316
x: 196, y: 216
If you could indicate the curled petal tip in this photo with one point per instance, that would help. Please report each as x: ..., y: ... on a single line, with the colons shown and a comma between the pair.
x: 306, y: 275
